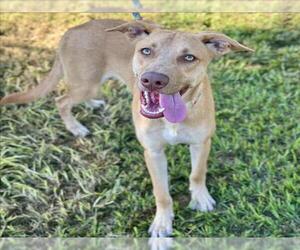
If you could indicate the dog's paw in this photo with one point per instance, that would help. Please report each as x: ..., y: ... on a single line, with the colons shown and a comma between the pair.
x: 78, y: 130
x: 160, y: 243
x: 95, y: 103
x: 201, y: 200
x: 162, y: 225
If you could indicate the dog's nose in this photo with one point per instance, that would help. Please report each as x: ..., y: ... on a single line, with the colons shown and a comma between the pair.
x: 154, y: 80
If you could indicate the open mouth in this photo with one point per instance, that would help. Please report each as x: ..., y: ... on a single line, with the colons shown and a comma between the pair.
x: 150, y: 106
x: 156, y: 105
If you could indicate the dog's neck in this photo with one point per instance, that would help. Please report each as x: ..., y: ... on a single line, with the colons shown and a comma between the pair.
x: 193, y: 94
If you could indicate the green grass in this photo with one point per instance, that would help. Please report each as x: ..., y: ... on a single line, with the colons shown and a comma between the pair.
x: 52, y: 184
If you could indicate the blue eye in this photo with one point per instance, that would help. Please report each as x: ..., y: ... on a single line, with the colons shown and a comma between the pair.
x: 189, y: 58
x: 146, y: 51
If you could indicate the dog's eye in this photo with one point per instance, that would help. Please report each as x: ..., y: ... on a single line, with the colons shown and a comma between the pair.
x: 189, y: 58
x: 146, y: 51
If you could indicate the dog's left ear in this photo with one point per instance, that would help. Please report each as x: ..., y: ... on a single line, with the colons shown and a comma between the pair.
x: 219, y: 44
x: 135, y: 29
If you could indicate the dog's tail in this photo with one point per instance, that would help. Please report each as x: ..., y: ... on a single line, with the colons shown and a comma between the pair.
x: 46, y: 86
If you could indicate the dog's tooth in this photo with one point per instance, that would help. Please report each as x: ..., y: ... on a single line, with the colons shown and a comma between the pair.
x: 144, y: 99
x: 144, y: 107
x: 155, y: 112
x: 147, y: 96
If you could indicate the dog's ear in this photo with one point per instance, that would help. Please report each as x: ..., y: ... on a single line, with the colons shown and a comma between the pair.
x: 219, y: 44
x: 135, y: 29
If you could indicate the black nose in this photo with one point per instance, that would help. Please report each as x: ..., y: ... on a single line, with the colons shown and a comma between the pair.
x: 154, y: 80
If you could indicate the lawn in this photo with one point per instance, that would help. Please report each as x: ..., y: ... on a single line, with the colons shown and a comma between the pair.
x: 53, y: 184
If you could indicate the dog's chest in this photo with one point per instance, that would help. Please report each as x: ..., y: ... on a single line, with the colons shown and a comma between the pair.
x: 177, y: 133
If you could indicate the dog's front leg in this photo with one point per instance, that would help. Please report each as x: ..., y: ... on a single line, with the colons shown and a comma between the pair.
x: 201, y: 199
x: 157, y: 166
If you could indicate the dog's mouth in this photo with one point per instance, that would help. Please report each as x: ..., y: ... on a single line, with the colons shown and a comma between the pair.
x: 156, y: 105
x: 150, y: 105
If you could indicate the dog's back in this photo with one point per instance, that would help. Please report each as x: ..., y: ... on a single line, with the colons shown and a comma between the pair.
x: 82, y: 49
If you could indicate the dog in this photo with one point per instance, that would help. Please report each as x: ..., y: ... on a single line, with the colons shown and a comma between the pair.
x: 166, y: 71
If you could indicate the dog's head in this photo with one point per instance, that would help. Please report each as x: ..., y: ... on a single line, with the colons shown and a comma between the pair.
x: 168, y: 63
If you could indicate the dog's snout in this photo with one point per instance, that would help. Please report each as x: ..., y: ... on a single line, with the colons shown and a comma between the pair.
x: 154, y: 80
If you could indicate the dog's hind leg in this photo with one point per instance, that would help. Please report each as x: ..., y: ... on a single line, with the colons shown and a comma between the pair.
x: 94, y: 103
x: 65, y: 104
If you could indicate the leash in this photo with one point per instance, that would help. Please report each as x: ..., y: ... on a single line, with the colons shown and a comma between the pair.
x: 137, y: 5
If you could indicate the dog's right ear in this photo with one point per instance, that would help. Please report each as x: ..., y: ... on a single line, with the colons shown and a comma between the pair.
x: 135, y: 29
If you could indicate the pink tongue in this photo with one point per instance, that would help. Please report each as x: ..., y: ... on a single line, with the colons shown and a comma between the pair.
x: 175, y: 109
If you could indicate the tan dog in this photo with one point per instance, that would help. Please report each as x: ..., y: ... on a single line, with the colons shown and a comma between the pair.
x: 172, y: 97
